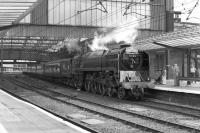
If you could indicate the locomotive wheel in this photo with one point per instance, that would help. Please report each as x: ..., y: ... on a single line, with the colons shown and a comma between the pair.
x: 94, y: 88
x: 71, y: 83
x: 67, y: 82
x: 138, y: 93
x: 121, y: 93
x: 98, y: 88
x: 87, y: 86
x: 137, y: 97
x: 102, y: 89
x: 110, y: 92
x: 79, y: 85
x: 75, y: 84
x: 141, y: 94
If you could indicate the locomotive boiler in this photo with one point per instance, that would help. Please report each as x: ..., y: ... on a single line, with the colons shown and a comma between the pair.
x: 121, y: 72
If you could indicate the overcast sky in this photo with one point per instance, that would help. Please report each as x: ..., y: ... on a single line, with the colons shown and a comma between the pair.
x: 185, y: 6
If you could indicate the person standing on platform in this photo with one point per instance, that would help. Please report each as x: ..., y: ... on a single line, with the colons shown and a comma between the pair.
x: 198, y: 72
x: 192, y: 71
x: 176, y: 71
x: 164, y: 76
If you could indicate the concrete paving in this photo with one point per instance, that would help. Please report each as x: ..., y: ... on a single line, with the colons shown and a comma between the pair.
x: 17, y: 116
x: 194, y: 88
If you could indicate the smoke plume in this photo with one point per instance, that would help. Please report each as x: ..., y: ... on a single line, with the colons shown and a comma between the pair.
x: 72, y: 45
x: 125, y: 32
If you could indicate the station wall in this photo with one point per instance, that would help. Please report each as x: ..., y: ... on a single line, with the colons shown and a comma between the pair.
x: 158, y: 60
x: 151, y: 15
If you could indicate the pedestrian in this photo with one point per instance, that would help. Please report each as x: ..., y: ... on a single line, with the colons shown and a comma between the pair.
x: 192, y: 71
x: 198, y: 72
x: 176, y: 71
x: 164, y: 76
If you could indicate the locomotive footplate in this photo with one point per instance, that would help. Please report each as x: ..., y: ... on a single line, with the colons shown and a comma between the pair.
x: 136, y: 88
x: 137, y: 84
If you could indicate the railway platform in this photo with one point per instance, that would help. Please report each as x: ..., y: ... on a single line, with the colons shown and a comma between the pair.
x: 183, y: 94
x: 194, y: 88
x: 17, y: 116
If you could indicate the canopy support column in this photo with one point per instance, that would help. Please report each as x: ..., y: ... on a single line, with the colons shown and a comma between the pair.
x: 167, y: 52
x: 1, y: 56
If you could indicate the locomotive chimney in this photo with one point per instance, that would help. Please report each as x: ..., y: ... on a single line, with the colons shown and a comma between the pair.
x: 124, y: 44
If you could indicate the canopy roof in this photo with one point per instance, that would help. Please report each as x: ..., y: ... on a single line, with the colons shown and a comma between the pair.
x: 185, y: 38
x: 10, y: 10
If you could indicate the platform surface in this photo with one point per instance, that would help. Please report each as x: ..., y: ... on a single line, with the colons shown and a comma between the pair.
x: 17, y: 116
x: 194, y: 88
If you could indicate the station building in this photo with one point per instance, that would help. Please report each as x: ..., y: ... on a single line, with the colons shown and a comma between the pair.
x: 30, y: 32
x: 48, y: 23
x: 180, y: 47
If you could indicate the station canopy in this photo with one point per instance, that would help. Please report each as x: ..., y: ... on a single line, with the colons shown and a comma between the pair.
x: 12, y: 35
x: 14, y: 41
x: 28, y: 38
x: 10, y: 10
x: 186, y: 38
x: 29, y: 41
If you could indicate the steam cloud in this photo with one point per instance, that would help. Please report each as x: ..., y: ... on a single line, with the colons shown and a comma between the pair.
x: 125, y: 32
x: 72, y: 45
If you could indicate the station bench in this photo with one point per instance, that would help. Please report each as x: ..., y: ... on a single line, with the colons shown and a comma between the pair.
x: 188, y: 79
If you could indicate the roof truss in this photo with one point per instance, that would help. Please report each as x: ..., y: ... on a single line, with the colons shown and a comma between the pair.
x: 14, y: 9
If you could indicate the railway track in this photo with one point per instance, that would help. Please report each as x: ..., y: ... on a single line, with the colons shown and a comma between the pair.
x: 184, y: 110
x: 155, y: 104
x: 75, y: 101
x: 55, y: 114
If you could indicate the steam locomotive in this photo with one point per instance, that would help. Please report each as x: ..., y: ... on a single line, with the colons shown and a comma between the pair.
x: 121, y: 72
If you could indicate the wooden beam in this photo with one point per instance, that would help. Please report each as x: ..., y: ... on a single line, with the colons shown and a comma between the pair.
x: 16, y: 1
x: 167, y: 46
x: 8, y: 9
x: 32, y: 39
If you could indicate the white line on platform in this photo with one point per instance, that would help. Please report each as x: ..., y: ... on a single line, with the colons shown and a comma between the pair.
x: 2, y: 129
x: 177, y: 90
x: 47, y: 113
